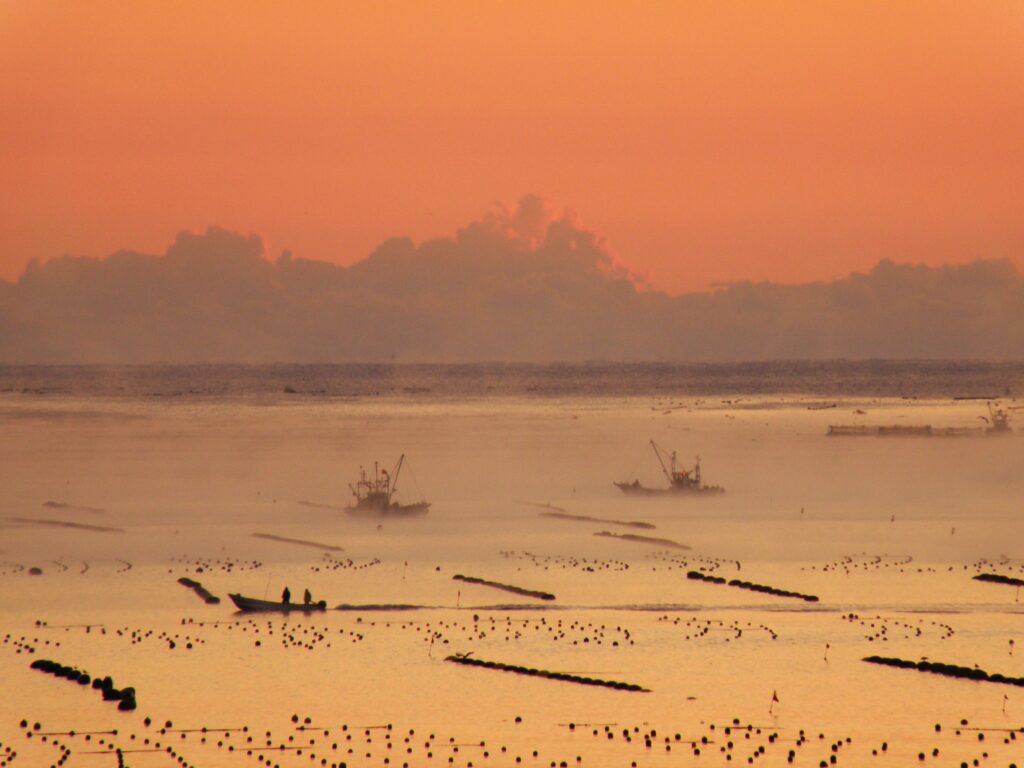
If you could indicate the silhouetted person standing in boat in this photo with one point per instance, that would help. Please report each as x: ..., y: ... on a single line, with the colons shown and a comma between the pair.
x: 286, y: 596
x: 308, y: 597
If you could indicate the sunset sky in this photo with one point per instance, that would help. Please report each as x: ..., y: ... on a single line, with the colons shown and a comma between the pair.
x: 707, y: 142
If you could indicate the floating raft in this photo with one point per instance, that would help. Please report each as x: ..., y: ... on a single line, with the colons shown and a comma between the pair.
x: 545, y: 505
x: 998, y: 578
x: 947, y: 670
x: 763, y: 588
x: 299, y: 542
x: 643, y: 539
x: 903, y: 430
x: 73, y: 507
x: 606, y: 521
x: 506, y: 587
x: 467, y: 661
x: 199, y: 589
x: 66, y: 524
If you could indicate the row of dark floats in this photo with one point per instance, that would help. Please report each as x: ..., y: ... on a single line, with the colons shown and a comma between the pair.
x: 205, y: 594
x: 992, y: 578
x: 533, y: 672
x: 125, y: 697
x: 739, y: 583
x: 946, y: 670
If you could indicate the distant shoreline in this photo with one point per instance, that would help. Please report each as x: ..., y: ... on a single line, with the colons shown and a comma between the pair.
x: 954, y: 379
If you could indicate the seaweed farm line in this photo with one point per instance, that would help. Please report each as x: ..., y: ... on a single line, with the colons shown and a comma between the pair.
x: 845, y: 602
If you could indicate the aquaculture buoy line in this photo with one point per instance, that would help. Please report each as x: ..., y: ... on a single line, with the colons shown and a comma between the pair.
x: 565, y: 677
x: 226, y: 564
x: 698, y: 576
x: 699, y: 628
x: 588, y: 519
x: 73, y: 507
x: 865, y: 562
x: 298, y: 542
x: 125, y: 697
x: 702, y: 563
x: 66, y: 524
x: 998, y: 578
x: 882, y: 624
x: 335, y: 564
x: 200, y: 590
x: 379, y: 607
x: 566, y: 562
x: 506, y: 587
x: 643, y: 539
x: 947, y: 670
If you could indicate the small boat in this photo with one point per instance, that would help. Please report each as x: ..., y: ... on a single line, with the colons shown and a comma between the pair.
x: 681, y: 481
x: 373, y: 495
x: 252, y: 604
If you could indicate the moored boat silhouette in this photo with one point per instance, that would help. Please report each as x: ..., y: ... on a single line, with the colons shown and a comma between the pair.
x: 681, y: 481
x: 252, y: 604
x: 373, y: 495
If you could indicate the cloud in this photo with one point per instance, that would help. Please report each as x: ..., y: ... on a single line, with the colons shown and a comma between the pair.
x: 518, y: 284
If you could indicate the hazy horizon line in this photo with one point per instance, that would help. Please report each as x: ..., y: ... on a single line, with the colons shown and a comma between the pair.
x: 809, y: 361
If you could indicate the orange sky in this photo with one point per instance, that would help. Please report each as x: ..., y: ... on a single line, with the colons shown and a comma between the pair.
x: 706, y: 141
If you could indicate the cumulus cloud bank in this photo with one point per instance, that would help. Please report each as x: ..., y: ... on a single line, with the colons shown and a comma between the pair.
x: 519, y: 284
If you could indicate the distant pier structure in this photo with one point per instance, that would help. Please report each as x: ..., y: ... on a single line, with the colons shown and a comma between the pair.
x: 997, y: 423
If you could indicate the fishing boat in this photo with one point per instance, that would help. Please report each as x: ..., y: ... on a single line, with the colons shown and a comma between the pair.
x: 998, y: 421
x: 681, y: 481
x: 373, y: 494
x: 252, y: 604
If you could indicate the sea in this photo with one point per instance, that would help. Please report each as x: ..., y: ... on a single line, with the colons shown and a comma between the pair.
x: 595, y: 628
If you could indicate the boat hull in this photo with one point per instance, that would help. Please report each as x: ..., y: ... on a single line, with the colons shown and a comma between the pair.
x: 390, y: 510
x: 269, y: 606
x: 635, y: 489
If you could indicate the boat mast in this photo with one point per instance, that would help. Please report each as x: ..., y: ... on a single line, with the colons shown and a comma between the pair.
x: 657, y: 452
x: 360, y: 484
x: 394, y: 481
